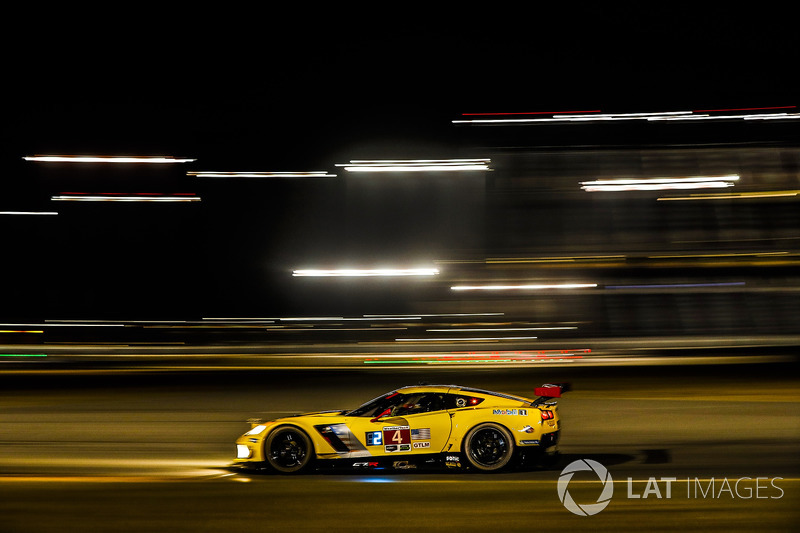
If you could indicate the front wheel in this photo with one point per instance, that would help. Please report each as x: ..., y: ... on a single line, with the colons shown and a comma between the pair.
x: 288, y: 450
x: 488, y: 447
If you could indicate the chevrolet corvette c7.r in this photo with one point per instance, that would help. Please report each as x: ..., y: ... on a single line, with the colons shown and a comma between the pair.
x: 424, y: 425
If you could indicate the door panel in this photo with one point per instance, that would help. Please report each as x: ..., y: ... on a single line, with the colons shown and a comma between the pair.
x: 414, y: 434
x: 413, y: 423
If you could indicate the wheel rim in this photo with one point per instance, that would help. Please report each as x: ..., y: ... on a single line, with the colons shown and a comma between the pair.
x: 288, y: 450
x: 488, y: 446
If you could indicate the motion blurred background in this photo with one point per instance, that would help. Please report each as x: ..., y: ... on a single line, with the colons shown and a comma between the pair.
x: 494, y: 198
x: 277, y: 92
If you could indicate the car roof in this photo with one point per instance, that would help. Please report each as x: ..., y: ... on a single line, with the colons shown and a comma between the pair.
x: 446, y: 388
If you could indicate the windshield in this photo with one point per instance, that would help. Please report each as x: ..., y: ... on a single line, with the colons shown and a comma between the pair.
x: 377, y: 406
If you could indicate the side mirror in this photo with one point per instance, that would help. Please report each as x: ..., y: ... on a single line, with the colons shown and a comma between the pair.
x: 384, y: 413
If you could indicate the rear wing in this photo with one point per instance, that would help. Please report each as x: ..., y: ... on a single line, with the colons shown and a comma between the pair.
x: 549, y: 391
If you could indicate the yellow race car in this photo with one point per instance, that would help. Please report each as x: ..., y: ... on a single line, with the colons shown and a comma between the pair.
x: 417, y: 426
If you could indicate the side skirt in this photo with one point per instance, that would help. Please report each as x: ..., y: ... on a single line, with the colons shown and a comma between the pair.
x: 431, y: 461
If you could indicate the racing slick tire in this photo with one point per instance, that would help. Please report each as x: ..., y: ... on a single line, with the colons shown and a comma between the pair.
x: 488, y: 447
x: 288, y: 450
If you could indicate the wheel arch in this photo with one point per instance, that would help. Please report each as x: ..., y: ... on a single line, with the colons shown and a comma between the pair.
x: 464, y: 421
x: 308, y: 429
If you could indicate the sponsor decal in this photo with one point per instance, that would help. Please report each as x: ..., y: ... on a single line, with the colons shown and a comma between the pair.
x: 397, y: 435
x: 374, y: 438
x: 452, y: 461
x: 391, y: 448
x: 520, y: 412
x: 461, y: 402
x: 421, y: 434
x: 422, y: 445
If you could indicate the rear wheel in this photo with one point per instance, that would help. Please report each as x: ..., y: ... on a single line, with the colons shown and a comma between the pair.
x: 488, y: 447
x: 288, y: 450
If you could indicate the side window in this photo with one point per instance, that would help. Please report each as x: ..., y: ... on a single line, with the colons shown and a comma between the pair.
x: 420, y: 403
x: 432, y: 402
x: 460, y: 401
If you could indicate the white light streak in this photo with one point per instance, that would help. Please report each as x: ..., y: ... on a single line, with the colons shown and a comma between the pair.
x: 523, y: 287
x: 776, y: 116
x: 621, y: 116
x: 501, y: 329
x: 96, y: 322
x: 366, y: 272
x: 308, y: 174
x: 597, y: 117
x: 728, y: 177
x: 466, y: 339
x: 28, y: 213
x: 658, y: 187
x: 311, y: 319
x: 660, y: 184
x: 340, y: 319
x: 756, y: 116
x: 436, y: 315
x: 649, y: 117
x: 242, y: 319
x: 49, y: 324
x: 101, y: 198
x: 105, y: 159
x: 416, y: 165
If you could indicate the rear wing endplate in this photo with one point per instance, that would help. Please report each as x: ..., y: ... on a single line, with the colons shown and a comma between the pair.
x: 549, y: 391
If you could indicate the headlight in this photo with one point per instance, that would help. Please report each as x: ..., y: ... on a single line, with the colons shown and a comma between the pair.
x: 242, y: 451
x: 256, y: 430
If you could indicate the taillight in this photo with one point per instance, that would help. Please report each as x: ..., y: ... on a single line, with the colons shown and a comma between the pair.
x: 547, y: 415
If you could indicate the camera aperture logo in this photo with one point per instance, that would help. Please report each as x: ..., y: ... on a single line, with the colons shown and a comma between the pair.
x: 743, y: 488
x: 586, y: 509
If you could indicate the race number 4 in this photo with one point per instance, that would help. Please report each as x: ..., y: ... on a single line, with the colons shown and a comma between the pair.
x: 397, y: 435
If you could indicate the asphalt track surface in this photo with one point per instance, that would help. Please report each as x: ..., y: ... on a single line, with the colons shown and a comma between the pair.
x: 148, y: 451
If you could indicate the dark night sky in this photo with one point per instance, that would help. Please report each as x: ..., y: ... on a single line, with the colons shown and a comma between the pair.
x: 303, y: 89
x: 231, y: 83
x: 205, y: 76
